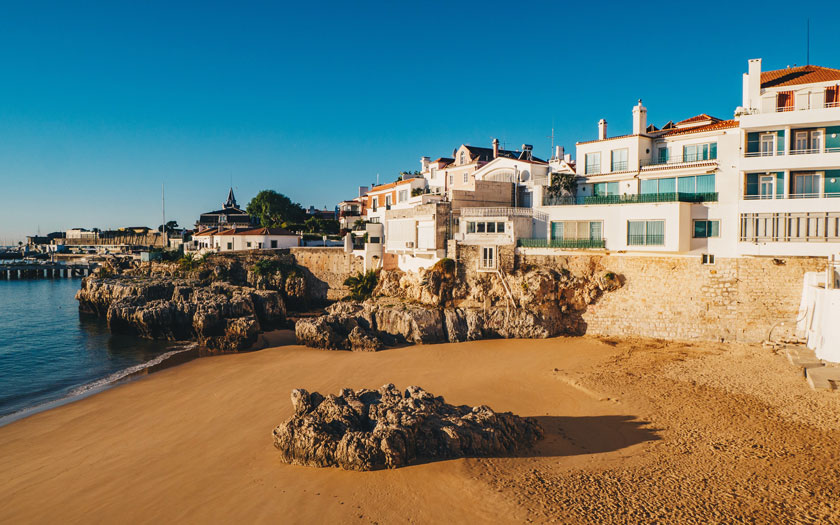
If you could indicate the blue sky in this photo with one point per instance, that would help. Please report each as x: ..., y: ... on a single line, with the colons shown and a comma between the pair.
x: 102, y: 103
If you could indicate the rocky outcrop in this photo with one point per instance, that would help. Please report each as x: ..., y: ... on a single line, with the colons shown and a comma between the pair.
x: 421, y: 308
x: 220, y: 316
x: 385, y: 428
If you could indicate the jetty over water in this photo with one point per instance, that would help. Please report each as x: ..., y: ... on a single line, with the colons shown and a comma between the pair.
x: 50, y: 270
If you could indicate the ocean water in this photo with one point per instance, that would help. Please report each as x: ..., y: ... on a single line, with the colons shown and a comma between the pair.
x: 49, y: 353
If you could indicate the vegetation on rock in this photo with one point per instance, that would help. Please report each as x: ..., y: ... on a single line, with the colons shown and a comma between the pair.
x: 362, y: 285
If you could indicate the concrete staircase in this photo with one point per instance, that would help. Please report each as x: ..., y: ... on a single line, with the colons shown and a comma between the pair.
x: 818, y: 375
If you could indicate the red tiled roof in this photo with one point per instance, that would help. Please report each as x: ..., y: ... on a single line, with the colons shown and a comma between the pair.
x: 699, y: 118
x: 388, y: 186
x: 608, y: 138
x: 258, y: 231
x: 721, y: 124
x: 793, y: 76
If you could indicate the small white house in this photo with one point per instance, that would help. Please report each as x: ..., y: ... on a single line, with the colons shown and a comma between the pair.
x: 256, y: 239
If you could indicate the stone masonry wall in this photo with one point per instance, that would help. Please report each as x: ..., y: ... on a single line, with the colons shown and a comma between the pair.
x: 678, y: 298
x: 327, y: 270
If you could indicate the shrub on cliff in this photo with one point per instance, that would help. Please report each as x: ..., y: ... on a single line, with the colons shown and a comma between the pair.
x: 362, y: 285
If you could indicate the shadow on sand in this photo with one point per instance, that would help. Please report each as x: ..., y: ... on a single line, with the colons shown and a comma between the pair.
x: 571, y: 436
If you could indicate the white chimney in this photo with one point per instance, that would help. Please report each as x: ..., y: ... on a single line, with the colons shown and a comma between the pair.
x: 424, y: 164
x: 754, y: 83
x: 558, y: 152
x: 639, y: 118
x: 495, y: 148
x: 602, y: 129
x: 568, y: 158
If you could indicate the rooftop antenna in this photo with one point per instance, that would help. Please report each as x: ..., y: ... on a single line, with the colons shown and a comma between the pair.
x: 808, y: 42
x: 552, y: 138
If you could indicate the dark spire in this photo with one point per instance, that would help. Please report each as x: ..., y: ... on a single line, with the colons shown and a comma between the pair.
x: 231, y: 200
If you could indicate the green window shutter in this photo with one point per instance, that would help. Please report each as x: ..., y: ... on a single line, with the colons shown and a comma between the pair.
x: 705, y: 152
x: 780, y: 183
x: 780, y: 141
x: 699, y: 229
x: 713, y: 150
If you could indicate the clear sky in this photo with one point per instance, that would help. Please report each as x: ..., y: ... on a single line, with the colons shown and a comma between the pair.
x: 101, y: 103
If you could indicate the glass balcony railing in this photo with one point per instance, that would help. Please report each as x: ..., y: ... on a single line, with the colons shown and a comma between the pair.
x: 646, y: 240
x: 679, y: 159
x: 642, y: 198
x: 574, y: 244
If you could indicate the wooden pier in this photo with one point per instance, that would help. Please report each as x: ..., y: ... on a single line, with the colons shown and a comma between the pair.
x: 53, y: 270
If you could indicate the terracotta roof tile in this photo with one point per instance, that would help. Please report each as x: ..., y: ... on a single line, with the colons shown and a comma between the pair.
x: 722, y: 124
x: 794, y: 76
x: 258, y: 231
x: 699, y: 118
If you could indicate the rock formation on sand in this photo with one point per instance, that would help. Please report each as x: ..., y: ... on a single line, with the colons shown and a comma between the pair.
x: 438, y: 306
x: 375, y: 429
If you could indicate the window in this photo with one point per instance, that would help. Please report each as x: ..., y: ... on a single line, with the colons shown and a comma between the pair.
x: 696, y: 184
x: 273, y: 244
x: 602, y: 189
x: 403, y: 196
x: 433, y: 173
x: 801, y: 141
x: 593, y: 163
x: 375, y: 203
x: 466, y: 177
x: 488, y: 258
x: 645, y: 233
x: 704, y: 229
x: 373, y: 240
x: 806, y: 185
x: 767, y: 144
x: 491, y: 227
x: 485, y: 227
x: 663, y: 155
x: 463, y: 158
x: 707, y: 258
x: 816, y: 140
x: 230, y: 246
x: 652, y: 186
x: 248, y: 244
x: 696, y: 152
x: 500, y: 227
x: 451, y: 180
x: 481, y: 227
x: 784, y: 101
x: 470, y: 227
x: 576, y: 230
x: 618, y: 160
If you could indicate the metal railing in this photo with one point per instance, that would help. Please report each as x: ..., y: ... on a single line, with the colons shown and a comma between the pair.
x: 828, y: 195
x: 646, y: 240
x: 642, y: 198
x: 576, y: 244
x: 620, y: 165
x: 504, y: 212
x: 773, y: 153
x: 678, y: 159
x: 592, y: 169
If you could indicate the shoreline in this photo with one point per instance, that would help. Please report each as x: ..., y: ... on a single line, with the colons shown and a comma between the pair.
x: 193, y: 442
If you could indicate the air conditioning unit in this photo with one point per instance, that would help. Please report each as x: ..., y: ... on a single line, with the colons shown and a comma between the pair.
x: 409, y: 244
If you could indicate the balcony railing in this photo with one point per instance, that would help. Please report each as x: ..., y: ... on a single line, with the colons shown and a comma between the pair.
x: 504, y: 212
x: 620, y: 165
x: 773, y: 153
x: 646, y: 240
x: 783, y: 109
x: 592, y: 169
x: 642, y: 198
x: 791, y: 196
x: 677, y: 159
x: 575, y: 244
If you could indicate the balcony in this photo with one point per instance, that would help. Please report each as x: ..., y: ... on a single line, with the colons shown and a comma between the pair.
x: 804, y: 107
x: 619, y: 165
x: 646, y: 240
x: 791, y: 196
x: 504, y: 212
x: 571, y: 244
x: 642, y: 198
x: 677, y: 159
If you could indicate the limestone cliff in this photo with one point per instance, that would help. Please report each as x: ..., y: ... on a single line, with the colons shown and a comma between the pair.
x: 445, y: 304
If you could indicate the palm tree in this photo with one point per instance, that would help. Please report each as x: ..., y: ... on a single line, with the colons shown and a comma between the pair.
x: 362, y: 285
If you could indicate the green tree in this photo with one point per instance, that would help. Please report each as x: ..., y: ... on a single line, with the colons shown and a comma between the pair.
x: 563, y: 184
x: 314, y: 225
x: 362, y: 285
x: 273, y: 209
x: 171, y: 226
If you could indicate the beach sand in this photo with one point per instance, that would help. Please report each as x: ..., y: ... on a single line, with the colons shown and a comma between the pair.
x: 635, y: 430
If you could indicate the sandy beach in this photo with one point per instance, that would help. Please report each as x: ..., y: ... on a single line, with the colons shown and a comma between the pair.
x: 635, y: 430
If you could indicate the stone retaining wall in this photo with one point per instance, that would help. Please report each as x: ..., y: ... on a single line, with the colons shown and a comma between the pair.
x: 327, y: 270
x: 679, y: 298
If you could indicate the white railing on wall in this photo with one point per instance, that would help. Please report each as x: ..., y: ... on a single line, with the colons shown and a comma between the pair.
x: 504, y: 212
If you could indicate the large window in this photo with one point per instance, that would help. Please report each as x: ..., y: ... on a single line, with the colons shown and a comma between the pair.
x: 593, y: 163
x: 806, y: 185
x: 485, y: 227
x: 668, y: 185
x: 704, y: 229
x: 619, y: 160
x: 696, y: 184
x: 576, y: 230
x: 695, y: 152
x: 645, y: 233
x: 602, y: 189
x: 402, y: 196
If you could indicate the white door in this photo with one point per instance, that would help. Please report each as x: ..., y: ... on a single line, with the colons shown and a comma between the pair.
x: 768, y: 145
x: 767, y: 186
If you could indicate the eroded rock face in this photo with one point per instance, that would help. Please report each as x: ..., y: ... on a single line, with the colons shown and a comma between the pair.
x: 220, y: 316
x: 386, y: 428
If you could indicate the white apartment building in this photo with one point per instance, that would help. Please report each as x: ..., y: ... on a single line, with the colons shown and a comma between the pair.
x: 654, y: 190
x: 790, y: 161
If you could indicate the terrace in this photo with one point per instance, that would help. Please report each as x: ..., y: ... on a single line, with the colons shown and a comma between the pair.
x: 629, y: 198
